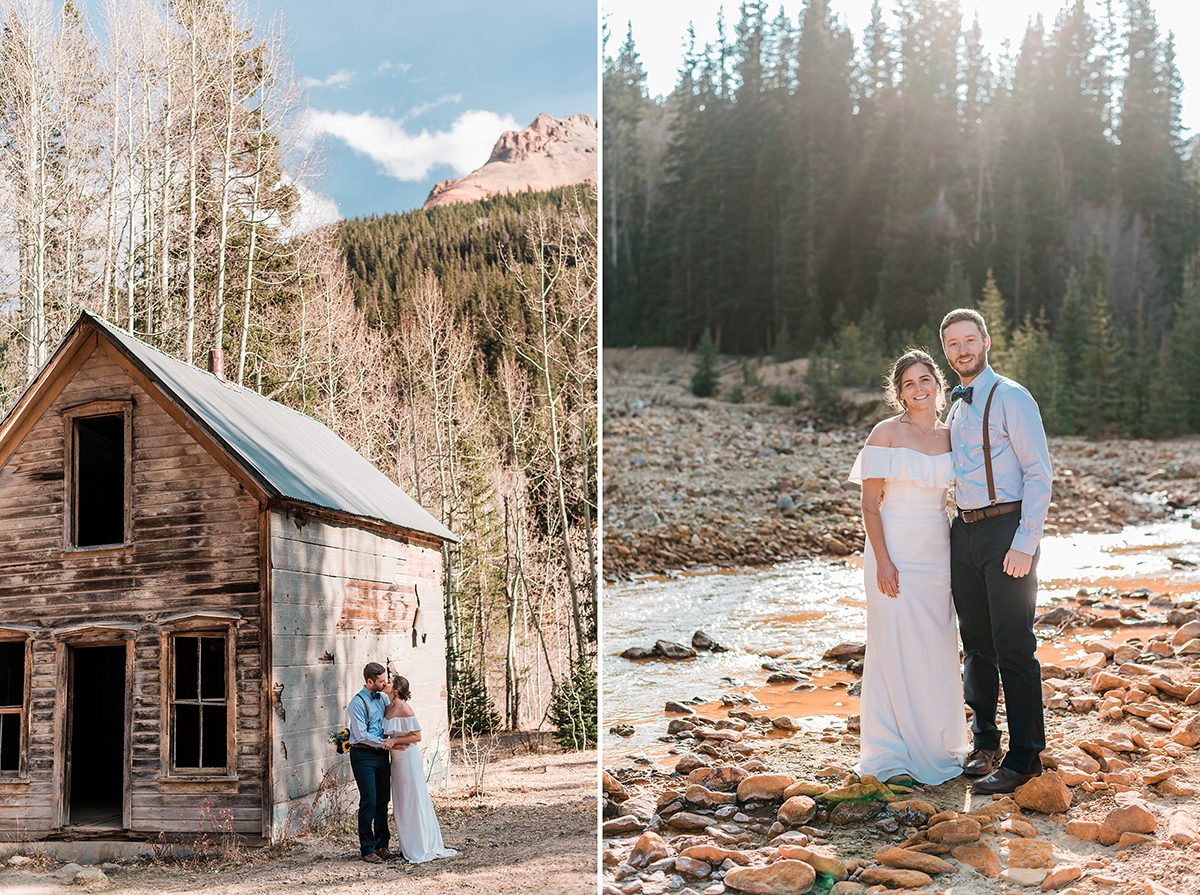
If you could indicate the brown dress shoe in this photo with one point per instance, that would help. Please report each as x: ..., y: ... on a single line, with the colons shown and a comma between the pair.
x: 373, y: 858
x: 386, y: 854
x: 1002, y: 780
x: 982, y: 762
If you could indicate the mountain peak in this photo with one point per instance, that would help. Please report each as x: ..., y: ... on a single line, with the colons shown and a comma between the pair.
x: 550, y: 152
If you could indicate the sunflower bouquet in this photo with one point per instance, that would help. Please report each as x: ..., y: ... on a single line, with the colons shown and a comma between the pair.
x: 341, y: 740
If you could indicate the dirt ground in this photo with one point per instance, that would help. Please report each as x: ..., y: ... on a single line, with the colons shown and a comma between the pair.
x: 533, y: 827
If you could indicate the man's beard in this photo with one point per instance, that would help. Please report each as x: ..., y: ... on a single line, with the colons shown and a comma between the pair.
x: 976, y: 367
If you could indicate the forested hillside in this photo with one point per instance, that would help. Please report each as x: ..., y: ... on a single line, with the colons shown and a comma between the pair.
x: 806, y: 190
x: 491, y: 308
x: 148, y: 175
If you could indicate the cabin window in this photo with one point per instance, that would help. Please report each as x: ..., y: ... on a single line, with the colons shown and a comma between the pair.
x: 98, y: 472
x: 12, y: 704
x: 199, y: 702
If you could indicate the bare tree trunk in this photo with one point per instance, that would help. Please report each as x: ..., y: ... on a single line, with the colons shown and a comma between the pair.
x: 253, y: 217
x: 193, y: 176
x: 164, y: 273
x: 226, y: 182
x: 130, y: 260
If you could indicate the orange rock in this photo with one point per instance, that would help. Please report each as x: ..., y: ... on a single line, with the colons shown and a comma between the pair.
x: 1103, y: 681
x: 821, y: 862
x: 1029, y: 852
x: 785, y: 877
x: 1087, y: 830
x: 1045, y: 793
x: 796, y: 811
x: 913, y: 860
x: 1187, y: 732
x: 1126, y: 819
x: 1060, y: 876
x: 714, y: 854
x: 1129, y: 840
x: 649, y: 848
x: 724, y: 777
x: 895, y: 878
x: 801, y: 788
x: 1016, y: 826
x: 763, y: 787
x: 953, y: 832
x: 979, y: 856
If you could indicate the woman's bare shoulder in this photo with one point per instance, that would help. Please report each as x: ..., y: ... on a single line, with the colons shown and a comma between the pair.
x: 885, y: 432
x: 404, y: 710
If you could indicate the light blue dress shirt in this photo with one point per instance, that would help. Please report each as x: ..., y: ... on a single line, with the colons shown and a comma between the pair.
x: 1020, y: 458
x: 366, y: 718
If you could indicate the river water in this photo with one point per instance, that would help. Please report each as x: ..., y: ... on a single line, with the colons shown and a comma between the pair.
x: 807, y: 606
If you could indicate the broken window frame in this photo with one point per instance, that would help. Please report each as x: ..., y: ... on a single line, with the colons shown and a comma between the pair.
x: 214, y: 625
x: 21, y: 710
x: 122, y: 407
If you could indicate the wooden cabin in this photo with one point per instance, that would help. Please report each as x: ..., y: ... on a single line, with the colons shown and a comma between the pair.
x: 192, y: 577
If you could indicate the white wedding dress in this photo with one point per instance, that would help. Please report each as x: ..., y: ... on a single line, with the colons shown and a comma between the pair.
x: 417, y: 831
x: 913, y: 720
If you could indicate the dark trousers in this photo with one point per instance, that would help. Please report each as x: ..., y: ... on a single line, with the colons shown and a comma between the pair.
x: 373, y: 774
x: 995, y: 617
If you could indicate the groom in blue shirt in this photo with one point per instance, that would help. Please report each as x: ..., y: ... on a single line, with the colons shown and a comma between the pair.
x: 1002, y: 489
x: 370, y: 762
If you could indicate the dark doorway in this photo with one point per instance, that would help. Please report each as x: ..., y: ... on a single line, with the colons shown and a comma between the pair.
x: 96, y: 712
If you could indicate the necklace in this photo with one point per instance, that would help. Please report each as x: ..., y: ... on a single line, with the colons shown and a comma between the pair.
x: 922, y: 429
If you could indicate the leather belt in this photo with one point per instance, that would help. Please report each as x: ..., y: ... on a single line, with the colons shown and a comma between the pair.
x: 996, y: 509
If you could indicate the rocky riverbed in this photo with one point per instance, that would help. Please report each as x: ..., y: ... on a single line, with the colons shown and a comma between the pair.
x: 749, y: 788
x: 743, y: 796
x: 706, y: 482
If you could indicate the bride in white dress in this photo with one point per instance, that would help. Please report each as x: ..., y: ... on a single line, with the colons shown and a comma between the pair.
x: 417, y: 831
x: 913, y: 720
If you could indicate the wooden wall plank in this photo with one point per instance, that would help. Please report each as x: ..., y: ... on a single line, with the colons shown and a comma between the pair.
x: 196, y: 544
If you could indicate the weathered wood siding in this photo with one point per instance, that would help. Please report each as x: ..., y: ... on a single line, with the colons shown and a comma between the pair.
x: 343, y: 596
x: 196, y: 545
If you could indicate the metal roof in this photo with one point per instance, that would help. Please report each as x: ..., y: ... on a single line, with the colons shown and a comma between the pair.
x: 298, y: 457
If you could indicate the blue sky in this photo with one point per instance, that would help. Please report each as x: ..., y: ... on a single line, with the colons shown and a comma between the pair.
x: 407, y: 93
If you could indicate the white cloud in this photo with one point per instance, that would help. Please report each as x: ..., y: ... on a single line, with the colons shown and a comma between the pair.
x: 340, y: 78
x: 388, y: 65
x: 463, y: 147
x: 421, y: 108
x: 315, y: 210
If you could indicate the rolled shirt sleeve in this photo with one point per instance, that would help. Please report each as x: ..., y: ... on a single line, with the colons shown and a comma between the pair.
x: 1028, y: 439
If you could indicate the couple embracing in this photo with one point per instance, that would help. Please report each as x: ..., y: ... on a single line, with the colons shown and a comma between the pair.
x: 387, y: 764
x: 920, y: 572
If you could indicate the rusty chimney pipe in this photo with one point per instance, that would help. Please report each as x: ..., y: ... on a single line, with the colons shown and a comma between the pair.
x: 216, y: 363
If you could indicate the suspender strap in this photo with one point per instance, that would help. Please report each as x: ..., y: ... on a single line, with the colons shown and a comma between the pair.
x: 987, y: 445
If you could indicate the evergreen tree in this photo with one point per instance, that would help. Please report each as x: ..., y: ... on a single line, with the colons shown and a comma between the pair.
x: 704, y: 378
x: 991, y: 306
x: 1102, y: 360
x: 574, y: 707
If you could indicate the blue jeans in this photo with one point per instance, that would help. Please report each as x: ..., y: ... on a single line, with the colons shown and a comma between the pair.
x: 373, y: 774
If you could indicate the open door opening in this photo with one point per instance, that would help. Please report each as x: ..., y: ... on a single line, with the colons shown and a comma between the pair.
x: 96, y: 709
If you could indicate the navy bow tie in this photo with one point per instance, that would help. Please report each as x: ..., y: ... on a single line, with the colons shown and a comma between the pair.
x: 376, y: 695
x: 959, y: 392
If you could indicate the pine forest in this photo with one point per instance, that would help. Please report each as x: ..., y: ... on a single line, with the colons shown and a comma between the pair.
x: 806, y: 191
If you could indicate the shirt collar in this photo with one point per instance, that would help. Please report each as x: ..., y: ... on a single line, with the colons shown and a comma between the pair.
x: 984, y: 380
